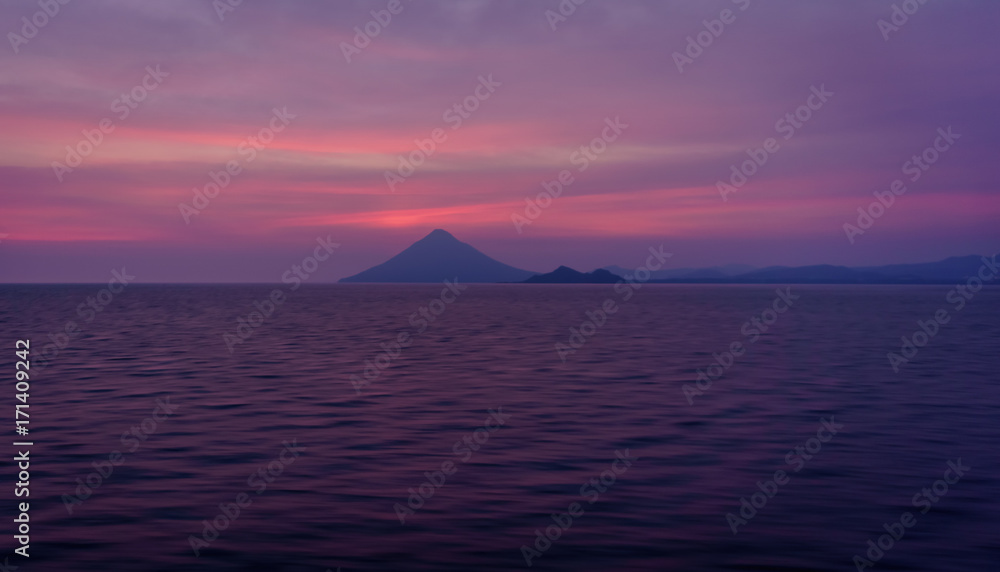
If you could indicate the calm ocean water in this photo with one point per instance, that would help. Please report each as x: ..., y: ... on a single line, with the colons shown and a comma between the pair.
x: 333, y: 503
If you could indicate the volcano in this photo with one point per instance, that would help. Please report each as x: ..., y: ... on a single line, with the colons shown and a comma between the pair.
x: 439, y: 256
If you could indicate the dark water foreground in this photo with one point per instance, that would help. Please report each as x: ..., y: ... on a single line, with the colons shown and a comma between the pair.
x: 342, y: 463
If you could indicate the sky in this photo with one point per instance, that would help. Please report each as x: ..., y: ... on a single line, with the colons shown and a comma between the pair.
x: 312, y: 117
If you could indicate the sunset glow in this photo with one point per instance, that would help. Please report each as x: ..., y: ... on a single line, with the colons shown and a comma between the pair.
x: 326, y: 171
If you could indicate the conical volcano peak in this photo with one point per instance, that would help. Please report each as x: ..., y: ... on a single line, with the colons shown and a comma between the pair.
x: 437, y: 257
x: 439, y: 235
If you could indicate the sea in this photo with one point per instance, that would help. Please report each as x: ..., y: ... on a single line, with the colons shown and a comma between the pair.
x: 503, y: 427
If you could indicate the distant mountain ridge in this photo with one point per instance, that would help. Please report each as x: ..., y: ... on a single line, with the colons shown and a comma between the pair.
x: 689, y: 273
x: 950, y: 270
x: 437, y: 257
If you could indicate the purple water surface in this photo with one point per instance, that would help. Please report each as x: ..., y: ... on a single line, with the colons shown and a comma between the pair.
x: 333, y: 505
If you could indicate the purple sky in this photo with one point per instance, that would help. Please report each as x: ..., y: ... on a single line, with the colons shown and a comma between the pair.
x: 324, y: 173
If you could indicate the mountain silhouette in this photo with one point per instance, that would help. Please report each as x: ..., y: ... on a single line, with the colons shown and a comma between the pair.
x: 439, y: 256
x: 948, y: 271
x: 953, y: 269
x: 566, y: 275
x: 815, y: 274
x: 713, y: 272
